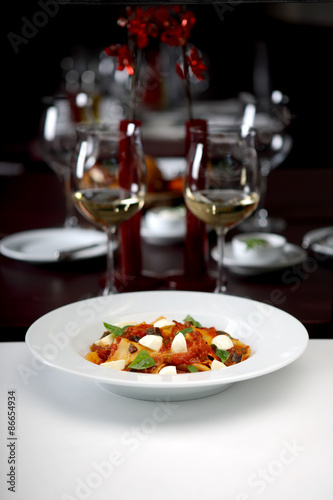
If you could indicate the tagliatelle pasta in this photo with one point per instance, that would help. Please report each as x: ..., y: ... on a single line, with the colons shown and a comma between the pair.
x: 166, y: 347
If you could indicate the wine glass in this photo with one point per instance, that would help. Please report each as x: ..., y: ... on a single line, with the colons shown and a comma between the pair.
x: 273, y: 145
x: 57, y: 138
x: 222, y: 181
x: 109, y: 180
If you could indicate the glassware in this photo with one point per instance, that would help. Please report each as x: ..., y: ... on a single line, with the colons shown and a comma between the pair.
x: 57, y: 137
x: 273, y: 145
x: 222, y: 182
x: 109, y: 181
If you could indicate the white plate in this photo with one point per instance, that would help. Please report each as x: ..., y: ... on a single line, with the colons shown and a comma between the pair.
x: 39, y: 245
x: 168, y: 238
x: 61, y: 339
x: 320, y: 240
x: 292, y: 255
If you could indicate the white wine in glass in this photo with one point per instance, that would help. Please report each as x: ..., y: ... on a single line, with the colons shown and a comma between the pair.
x: 222, y: 182
x: 109, y: 180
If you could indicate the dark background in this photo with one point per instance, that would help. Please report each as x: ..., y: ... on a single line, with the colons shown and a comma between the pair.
x: 298, y: 38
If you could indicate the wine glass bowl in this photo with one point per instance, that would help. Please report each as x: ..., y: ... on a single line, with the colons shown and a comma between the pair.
x: 57, y: 140
x: 109, y: 180
x: 273, y: 144
x: 222, y: 181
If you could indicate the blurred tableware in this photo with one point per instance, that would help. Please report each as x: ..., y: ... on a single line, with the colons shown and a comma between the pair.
x: 319, y: 240
x: 292, y: 255
x: 273, y: 145
x: 276, y: 341
x: 57, y: 139
x: 64, y: 255
x: 109, y: 180
x: 165, y: 219
x: 39, y: 246
x: 262, y: 248
x: 222, y: 182
x: 164, y: 225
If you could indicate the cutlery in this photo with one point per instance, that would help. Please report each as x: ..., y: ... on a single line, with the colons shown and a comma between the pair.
x: 321, y: 240
x: 63, y: 255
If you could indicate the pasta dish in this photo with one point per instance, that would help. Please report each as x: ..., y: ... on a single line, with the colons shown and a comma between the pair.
x: 166, y: 347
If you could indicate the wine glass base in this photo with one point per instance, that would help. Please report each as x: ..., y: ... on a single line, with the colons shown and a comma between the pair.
x: 264, y: 225
x: 71, y: 221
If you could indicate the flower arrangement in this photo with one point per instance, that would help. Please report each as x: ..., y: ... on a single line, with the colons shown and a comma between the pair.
x: 172, y: 25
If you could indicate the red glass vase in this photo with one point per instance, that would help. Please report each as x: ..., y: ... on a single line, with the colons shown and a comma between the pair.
x: 195, y: 260
x: 130, y: 239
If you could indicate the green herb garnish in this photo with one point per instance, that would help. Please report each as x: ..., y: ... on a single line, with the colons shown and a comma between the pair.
x: 142, y: 361
x: 192, y: 369
x: 124, y: 328
x: 191, y: 320
x: 186, y: 330
x: 223, y: 355
x: 116, y: 330
x: 256, y: 242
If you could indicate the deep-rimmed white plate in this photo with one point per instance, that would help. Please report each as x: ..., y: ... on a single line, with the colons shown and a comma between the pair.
x: 291, y: 256
x: 61, y: 339
x: 39, y: 245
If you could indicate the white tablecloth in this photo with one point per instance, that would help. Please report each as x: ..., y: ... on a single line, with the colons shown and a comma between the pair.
x: 268, y: 438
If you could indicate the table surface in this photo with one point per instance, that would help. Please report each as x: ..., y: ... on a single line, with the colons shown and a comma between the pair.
x: 270, y: 437
x: 303, y: 197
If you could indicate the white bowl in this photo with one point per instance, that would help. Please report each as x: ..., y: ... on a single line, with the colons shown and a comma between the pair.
x: 165, y: 220
x: 261, y: 248
x: 61, y: 339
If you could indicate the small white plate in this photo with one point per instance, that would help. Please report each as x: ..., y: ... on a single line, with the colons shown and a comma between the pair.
x: 39, y: 245
x: 320, y: 240
x: 61, y: 339
x: 177, y: 235
x: 292, y: 255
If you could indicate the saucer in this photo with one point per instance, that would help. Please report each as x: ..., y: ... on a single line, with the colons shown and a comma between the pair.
x: 39, y: 245
x: 291, y: 256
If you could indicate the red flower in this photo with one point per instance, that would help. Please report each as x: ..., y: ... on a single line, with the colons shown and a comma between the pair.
x: 124, y: 57
x: 143, y: 24
x: 174, y: 28
x: 178, y: 31
x: 195, y: 62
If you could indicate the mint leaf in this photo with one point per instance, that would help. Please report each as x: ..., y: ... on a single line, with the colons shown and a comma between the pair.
x: 116, y: 330
x: 192, y: 369
x: 191, y: 320
x: 142, y: 361
x: 256, y: 242
x: 186, y: 330
x: 223, y: 355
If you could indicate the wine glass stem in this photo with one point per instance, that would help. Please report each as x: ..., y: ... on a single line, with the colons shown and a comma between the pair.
x: 70, y: 219
x: 110, y: 286
x: 263, y: 191
x: 221, y: 282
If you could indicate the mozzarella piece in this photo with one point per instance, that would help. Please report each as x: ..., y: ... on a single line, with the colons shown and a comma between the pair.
x: 179, y: 344
x: 154, y: 342
x: 119, y: 364
x: 163, y: 322
x: 223, y: 342
x: 105, y: 341
x: 217, y: 365
x: 168, y: 370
